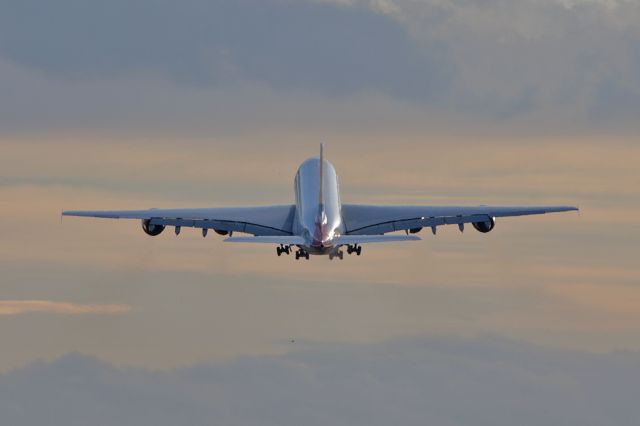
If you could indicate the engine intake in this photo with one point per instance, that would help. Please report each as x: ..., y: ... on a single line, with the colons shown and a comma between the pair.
x: 485, y: 226
x: 150, y: 229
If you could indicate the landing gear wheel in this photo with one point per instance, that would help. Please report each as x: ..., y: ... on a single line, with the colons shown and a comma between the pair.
x: 341, y: 254
x: 297, y: 255
x: 359, y: 250
x: 279, y: 251
x: 306, y: 255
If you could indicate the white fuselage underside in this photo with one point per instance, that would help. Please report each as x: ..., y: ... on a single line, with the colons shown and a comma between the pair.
x: 318, y: 219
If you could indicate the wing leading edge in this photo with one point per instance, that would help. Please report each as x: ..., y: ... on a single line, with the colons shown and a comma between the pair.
x: 372, y: 220
x: 259, y: 221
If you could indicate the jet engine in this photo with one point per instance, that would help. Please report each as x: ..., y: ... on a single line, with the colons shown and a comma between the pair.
x: 485, y: 226
x: 150, y: 229
x: 221, y: 232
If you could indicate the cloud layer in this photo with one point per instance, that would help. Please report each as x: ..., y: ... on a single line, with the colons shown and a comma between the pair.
x: 449, y: 382
x: 409, y: 95
x: 17, y: 307
x: 282, y: 44
x: 565, y: 64
x: 567, y: 279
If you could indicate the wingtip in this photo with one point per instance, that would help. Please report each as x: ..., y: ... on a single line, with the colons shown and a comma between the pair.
x: 567, y: 208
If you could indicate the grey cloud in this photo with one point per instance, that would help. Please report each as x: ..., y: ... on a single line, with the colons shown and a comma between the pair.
x: 531, y: 56
x: 550, y: 64
x: 301, y: 45
x: 410, y: 382
x: 615, y: 101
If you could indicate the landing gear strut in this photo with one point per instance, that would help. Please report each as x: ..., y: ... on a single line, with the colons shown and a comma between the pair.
x: 354, y: 249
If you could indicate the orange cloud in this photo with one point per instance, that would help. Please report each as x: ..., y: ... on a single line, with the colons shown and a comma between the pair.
x: 17, y: 307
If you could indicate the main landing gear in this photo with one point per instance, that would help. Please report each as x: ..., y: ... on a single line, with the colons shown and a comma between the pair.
x: 301, y: 253
x: 354, y: 249
x: 287, y: 249
x: 283, y: 249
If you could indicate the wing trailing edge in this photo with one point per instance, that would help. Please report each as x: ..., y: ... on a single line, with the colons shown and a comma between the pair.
x: 285, y: 239
x: 365, y: 239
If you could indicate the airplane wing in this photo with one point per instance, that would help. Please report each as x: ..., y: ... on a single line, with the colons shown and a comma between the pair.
x: 372, y: 220
x: 267, y: 220
x: 286, y: 240
x: 362, y: 239
x: 338, y: 241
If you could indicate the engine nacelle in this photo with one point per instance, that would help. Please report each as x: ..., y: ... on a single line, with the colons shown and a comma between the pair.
x: 150, y: 229
x: 485, y: 226
x: 415, y: 230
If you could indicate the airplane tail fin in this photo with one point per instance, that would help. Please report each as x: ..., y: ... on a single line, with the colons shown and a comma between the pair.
x: 321, y: 192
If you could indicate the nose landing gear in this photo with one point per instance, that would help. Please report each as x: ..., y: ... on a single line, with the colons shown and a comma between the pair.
x: 339, y: 254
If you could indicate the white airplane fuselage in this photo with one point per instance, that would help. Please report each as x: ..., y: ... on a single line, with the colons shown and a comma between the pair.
x: 318, y: 218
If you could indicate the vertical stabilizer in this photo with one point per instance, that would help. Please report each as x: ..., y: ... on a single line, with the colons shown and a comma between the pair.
x: 321, y: 194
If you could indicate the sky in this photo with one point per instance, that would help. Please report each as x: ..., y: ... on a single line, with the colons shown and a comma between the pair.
x: 140, y: 103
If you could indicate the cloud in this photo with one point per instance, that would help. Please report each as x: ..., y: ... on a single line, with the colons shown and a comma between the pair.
x: 323, y: 47
x: 18, y: 307
x: 410, y: 382
x: 551, y: 64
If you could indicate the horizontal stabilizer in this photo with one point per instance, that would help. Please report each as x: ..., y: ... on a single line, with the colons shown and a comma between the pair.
x: 285, y: 239
x: 365, y: 239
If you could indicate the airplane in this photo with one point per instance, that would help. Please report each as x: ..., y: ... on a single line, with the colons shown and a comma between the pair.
x: 318, y: 223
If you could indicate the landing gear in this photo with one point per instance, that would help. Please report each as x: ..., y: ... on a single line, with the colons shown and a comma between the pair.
x: 283, y: 249
x: 301, y: 253
x: 354, y: 249
x: 339, y: 254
